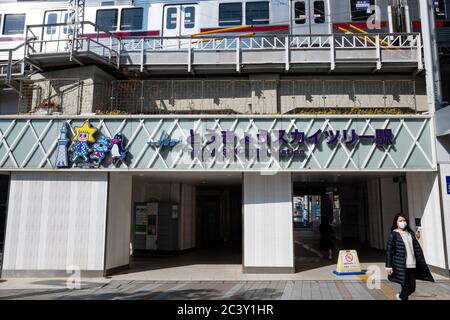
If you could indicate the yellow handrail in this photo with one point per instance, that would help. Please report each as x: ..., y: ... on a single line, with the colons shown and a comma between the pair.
x: 359, y: 37
x: 365, y: 32
x: 220, y: 30
x: 241, y: 35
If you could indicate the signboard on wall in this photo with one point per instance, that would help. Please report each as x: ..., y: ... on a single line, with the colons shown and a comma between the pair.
x: 238, y: 143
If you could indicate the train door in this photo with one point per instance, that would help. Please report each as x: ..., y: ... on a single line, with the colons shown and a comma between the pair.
x: 54, y: 36
x: 179, y: 21
x: 310, y: 17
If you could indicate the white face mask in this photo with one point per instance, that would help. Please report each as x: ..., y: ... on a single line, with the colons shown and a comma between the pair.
x: 402, y: 224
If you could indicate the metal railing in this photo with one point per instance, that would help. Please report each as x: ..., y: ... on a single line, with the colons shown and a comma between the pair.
x: 15, y: 65
x: 323, y: 49
x: 101, y: 42
x: 276, y: 42
x: 334, y: 48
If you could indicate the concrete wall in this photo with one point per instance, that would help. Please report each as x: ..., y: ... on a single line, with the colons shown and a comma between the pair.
x: 424, y: 203
x: 118, y: 221
x: 271, y: 94
x: 70, y: 91
x: 352, y: 92
x: 268, y: 229
x: 55, y: 220
x: 88, y: 89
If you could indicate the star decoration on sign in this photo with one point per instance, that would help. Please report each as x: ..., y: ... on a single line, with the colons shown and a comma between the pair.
x: 85, y: 133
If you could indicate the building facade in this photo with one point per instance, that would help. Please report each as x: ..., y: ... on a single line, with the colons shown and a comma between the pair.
x: 137, y: 127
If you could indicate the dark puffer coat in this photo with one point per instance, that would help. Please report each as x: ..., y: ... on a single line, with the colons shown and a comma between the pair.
x: 396, y: 259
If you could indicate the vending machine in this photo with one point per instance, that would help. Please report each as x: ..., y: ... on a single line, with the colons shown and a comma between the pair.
x: 155, y: 227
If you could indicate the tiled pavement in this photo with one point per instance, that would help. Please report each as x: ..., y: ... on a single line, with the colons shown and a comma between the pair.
x: 248, y: 290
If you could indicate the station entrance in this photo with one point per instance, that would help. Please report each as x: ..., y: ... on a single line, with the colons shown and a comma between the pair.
x: 185, y: 221
x: 205, y: 226
x: 351, y: 207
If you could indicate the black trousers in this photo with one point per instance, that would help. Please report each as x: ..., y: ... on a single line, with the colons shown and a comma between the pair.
x: 410, y: 284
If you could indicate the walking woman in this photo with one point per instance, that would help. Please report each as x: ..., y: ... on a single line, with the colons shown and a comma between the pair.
x: 405, y: 261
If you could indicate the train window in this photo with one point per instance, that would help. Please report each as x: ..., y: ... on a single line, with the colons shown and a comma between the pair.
x: 189, y: 17
x: 319, y: 11
x: 439, y: 9
x: 14, y: 23
x: 65, y: 21
x: 171, y: 19
x: 257, y: 12
x: 361, y: 9
x: 106, y: 19
x: 52, y: 18
x: 230, y: 14
x: 131, y: 19
x: 300, y: 12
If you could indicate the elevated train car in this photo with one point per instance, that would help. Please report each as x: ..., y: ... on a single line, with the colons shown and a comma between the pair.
x: 155, y: 18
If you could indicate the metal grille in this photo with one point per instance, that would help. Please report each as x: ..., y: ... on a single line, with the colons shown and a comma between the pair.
x: 51, y: 96
x: 74, y: 96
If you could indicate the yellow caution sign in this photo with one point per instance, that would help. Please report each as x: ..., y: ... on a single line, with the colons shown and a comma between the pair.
x: 348, y: 263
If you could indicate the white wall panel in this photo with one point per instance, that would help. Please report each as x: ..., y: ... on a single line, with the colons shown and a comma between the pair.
x: 444, y: 169
x: 424, y: 203
x: 268, y: 230
x: 56, y: 220
x: 119, y: 220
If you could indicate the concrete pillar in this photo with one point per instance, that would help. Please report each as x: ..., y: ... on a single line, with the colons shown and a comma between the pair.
x: 424, y: 203
x: 375, y: 214
x: 79, y: 90
x: 383, y: 204
x: 267, y: 223
x: 390, y: 204
x: 187, y: 218
x: 56, y: 221
x: 118, y: 222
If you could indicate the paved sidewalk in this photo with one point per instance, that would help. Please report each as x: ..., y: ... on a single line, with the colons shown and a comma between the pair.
x: 107, y: 289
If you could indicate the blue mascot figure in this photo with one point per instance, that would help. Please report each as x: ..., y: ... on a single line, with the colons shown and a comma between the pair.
x: 100, y: 148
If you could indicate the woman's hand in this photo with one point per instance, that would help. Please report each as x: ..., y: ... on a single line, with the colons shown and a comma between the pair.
x: 389, y: 271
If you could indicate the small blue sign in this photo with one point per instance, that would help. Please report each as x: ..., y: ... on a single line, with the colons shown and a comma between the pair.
x: 362, y: 5
x: 447, y: 178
